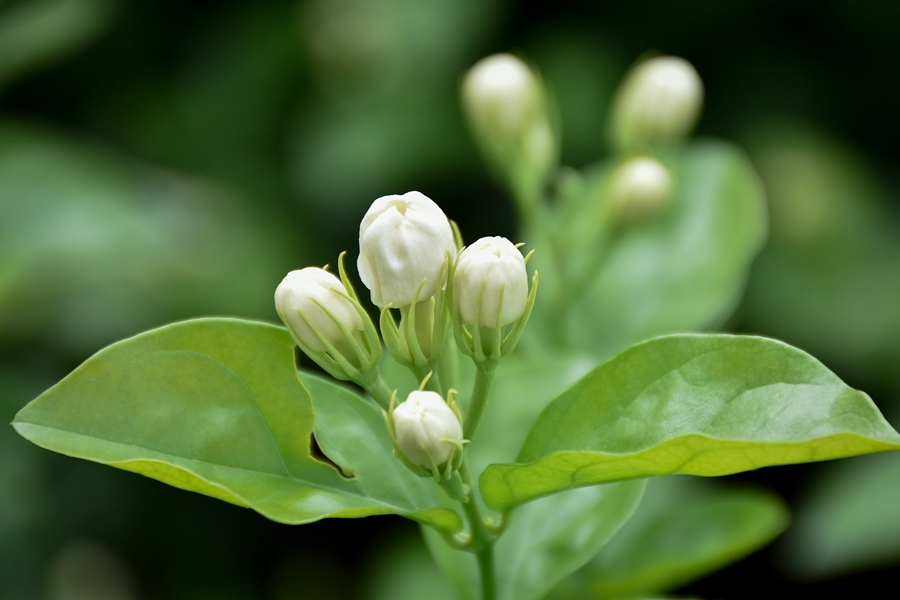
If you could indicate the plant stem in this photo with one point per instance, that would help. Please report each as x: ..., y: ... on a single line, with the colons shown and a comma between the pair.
x: 380, y: 392
x: 484, y: 375
x: 482, y: 541
x: 486, y: 566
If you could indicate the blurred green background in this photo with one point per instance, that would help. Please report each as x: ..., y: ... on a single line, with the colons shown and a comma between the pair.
x: 161, y: 160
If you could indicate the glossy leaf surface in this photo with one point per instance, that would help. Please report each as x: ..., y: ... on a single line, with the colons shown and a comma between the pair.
x: 546, y: 541
x: 684, y: 529
x: 215, y: 406
x: 705, y: 405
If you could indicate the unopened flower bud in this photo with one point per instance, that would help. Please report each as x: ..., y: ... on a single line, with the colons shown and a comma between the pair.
x: 500, y: 91
x: 490, y: 284
x: 660, y: 99
x: 404, y: 243
x: 427, y: 430
x: 507, y: 111
x: 639, y: 188
x: 303, y: 298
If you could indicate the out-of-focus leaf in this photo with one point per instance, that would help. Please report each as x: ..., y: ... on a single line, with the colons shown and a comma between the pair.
x: 365, y: 49
x: 38, y: 32
x: 367, y: 57
x: 404, y: 570
x: 693, y: 404
x: 848, y: 521
x: 684, y: 529
x: 215, y: 406
x: 682, y: 270
x: 546, y: 541
x: 94, y: 247
x: 829, y: 281
x: 89, y: 570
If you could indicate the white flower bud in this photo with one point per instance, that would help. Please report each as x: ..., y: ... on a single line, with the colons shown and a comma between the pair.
x: 660, y: 99
x: 500, y: 91
x: 421, y: 424
x: 403, y: 241
x: 639, y: 188
x: 507, y: 111
x: 305, y: 292
x: 487, y: 267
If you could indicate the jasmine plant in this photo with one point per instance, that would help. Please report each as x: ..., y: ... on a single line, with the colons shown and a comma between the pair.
x: 519, y: 427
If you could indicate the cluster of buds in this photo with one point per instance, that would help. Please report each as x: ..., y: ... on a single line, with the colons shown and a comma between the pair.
x: 410, y: 261
x: 658, y: 103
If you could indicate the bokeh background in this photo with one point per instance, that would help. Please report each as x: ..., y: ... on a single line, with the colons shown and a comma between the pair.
x: 161, y: 160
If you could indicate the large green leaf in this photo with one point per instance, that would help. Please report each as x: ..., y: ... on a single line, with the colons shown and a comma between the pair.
x: 685, y: 528
x: 849, y: 520
x: 694, y: 404
x: 546, y: 541
x: 215, y: 406
x: 683, y: 270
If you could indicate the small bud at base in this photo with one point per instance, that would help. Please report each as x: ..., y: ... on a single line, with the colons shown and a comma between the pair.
x: 639, y: 188
x: 421, y: 424
x: 490, y: 283
x: 303, y: 293
x: 404, y: 241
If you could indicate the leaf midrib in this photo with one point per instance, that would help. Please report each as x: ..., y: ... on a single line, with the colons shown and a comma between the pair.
x: 289, y: 477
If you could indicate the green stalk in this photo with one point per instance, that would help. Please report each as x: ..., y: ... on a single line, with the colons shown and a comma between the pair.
x: 380, y: 392
x: 484, y: 375
x: 482, y: 540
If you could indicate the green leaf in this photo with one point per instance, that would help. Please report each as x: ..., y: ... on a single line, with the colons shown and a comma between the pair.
x: 684, y: 269
x: 848, y: 521
x: 546, y: 541
x: 695, y: 404
x: 215, y: 406
x: 350, y: 431
x: 684, y: 529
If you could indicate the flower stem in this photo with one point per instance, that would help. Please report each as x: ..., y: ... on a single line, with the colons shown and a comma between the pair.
x: 484, y: 375
x: 482, y: 538
x: 380, y: 392
x: 486, y: 566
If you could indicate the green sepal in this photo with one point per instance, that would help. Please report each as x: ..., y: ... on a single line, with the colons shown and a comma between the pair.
x: 417, y: 347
